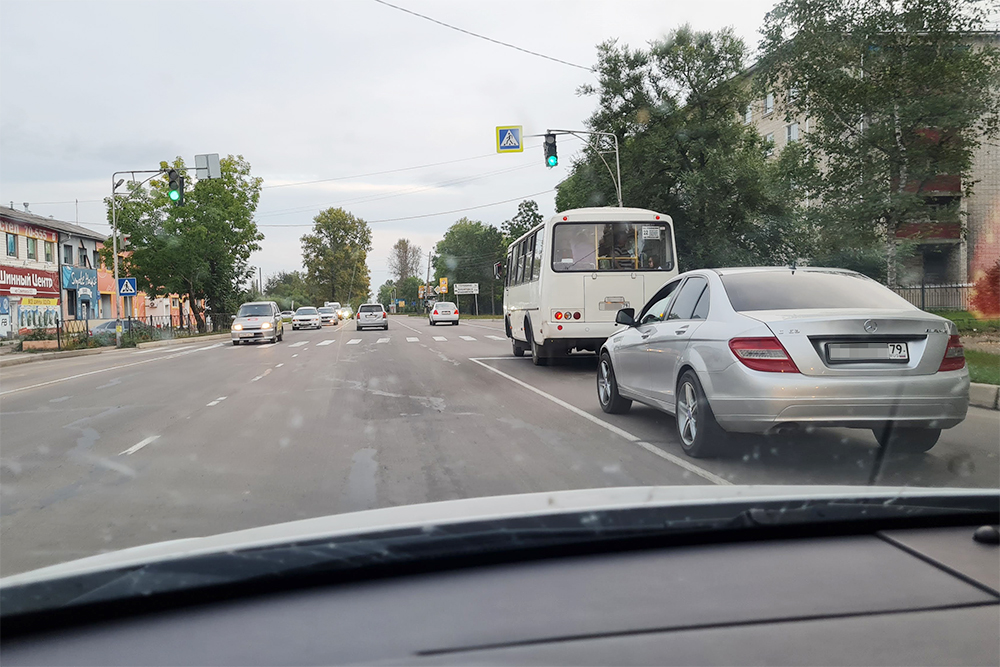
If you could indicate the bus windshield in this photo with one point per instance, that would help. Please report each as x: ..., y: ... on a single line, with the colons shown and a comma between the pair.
x: 612, y: 246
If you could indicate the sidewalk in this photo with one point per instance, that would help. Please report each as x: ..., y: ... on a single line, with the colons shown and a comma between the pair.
x: 18, y: 358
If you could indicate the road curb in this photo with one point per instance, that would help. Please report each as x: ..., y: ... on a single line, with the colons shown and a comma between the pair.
x: 42, y: 356
x: 181, y: 341
x: 984, y: 395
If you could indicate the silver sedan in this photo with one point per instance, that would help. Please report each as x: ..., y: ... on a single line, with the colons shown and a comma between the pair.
x: 763, y: 350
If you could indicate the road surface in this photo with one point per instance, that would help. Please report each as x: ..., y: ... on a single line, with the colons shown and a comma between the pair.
x: 128, y: 447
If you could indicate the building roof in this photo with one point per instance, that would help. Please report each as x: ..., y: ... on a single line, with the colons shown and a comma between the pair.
x: 50, y: 223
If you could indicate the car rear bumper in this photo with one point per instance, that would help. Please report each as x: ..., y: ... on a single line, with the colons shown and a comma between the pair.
x: 757, y: 402
x: 443, y: 318
x: 589, y: 331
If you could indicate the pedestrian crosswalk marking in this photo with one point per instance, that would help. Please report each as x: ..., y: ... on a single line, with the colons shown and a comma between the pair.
x: 326, y: 342
x: 354, y: 341
x: 496, y: 338
x: 299, y: 344
x: 440, y: 338
x: 382, y: 340
x: 412, y: 339
x: 467, y: 338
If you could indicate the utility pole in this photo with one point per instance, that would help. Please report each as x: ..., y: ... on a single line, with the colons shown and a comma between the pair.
x: 427, y: 285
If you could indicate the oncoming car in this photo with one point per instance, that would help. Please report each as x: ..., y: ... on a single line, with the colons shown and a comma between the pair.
x: 257, y: 320
x: 761, y: 350
x: 307, y: 316
x: 327, y: 315
x: 286, y: 315
x: 345, y: 313
x: 443, y: 311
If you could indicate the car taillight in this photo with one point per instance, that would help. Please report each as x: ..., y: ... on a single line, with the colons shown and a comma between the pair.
x: 435, y: 311
x: 954, y: 355
x: 763, y: 354
x: 456, y: 311
x: 384, y: 315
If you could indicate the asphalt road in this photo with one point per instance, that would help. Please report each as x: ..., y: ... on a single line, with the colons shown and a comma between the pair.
x: 128, y: 447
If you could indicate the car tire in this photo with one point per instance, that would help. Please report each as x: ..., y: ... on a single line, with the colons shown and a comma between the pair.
x: 538, y: 352
x: 235, y: 343
x: 699, y: 433
x: 906, y: 439
x: 455, y: 323
x: 518, y: 349
x: 386, y: 327
x: 607, y: 388
x: 281, y: 335
x: 430, y: 322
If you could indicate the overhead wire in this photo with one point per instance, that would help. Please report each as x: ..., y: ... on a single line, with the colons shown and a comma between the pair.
x: 488, y: 39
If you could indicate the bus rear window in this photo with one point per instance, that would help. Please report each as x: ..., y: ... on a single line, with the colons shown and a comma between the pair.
x: 612, y: 246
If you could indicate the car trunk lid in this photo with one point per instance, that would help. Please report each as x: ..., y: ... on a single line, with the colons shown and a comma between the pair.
x: 855, y: 342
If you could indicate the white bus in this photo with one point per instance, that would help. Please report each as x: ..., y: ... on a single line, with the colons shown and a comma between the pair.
x: 566, y: 279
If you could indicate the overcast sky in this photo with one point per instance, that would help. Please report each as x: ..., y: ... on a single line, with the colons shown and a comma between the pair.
x: 308, y: 91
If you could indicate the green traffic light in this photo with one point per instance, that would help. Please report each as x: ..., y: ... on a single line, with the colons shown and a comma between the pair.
x: 553, y: 160
x: 175, y: 195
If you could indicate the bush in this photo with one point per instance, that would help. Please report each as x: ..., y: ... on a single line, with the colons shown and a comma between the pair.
x: 986, y: 294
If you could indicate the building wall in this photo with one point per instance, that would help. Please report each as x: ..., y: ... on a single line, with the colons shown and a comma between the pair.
x: 983, y: 208
x: 27, y: 306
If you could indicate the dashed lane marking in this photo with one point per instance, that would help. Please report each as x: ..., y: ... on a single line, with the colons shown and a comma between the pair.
x: 440, y: 338
x: 326, y: 342
x: 496, y: 338
x: 139, y: 445
x: 412, y: 339
x: 382, y: 340
x: 299, y: 344
x: 354, y: 341
x: 467, y: 338
x: 215, y: 402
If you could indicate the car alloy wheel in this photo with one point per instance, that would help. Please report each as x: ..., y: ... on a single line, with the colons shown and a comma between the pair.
x: 687, y: 414
x: 699, y: 433
x: 607, y: 389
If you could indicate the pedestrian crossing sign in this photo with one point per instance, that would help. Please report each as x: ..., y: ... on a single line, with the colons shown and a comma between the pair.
x: 509, y: 139
x: 126, y: 287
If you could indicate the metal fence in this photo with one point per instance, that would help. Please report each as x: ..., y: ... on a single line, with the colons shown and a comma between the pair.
x: 937, y: 297
x: 71, y: 334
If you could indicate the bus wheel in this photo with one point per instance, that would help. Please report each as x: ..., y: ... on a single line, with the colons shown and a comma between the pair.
x: 518, y: 348
x: 538, y: 352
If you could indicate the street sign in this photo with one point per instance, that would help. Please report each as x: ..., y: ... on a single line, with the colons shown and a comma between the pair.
x: 126, y: 287
x: 207, y: 166
x: 402, y: 304
x: 420, y: 292
x: 509, y: 139
x: 437, y: 290
x: 466, y: 288
x: 442, y: 286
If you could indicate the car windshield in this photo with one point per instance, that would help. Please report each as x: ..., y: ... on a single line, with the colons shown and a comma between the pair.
x: 254, y: 309
x: 488, y: 200
x: 796, y: 290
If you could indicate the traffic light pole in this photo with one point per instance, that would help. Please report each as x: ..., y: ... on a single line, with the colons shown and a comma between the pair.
x: 618, y: 168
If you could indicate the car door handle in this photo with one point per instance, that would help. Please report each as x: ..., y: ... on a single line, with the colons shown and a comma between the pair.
x: 646, y: 335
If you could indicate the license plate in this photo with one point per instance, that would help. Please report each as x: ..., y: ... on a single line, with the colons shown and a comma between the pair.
x: 859, y: 352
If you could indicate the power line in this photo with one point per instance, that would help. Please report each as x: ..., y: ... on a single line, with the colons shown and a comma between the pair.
x: 488, y: 39
x: 431, y: 215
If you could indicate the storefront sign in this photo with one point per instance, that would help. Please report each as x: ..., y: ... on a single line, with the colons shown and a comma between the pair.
x: 28, y: 230
x: 28, y: 282
x: 31, y: 301
x: 75, y: 277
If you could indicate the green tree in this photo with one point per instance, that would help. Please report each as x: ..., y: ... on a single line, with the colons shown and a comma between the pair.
x: 677, y: 109
x: 288, y: 289
x: 335, y: 255
x: 385, y: 293
x: 199, y: 249
x: 467, y: 254
x: 899, y: 94
x: 404, y: 259
x: 527, y: 216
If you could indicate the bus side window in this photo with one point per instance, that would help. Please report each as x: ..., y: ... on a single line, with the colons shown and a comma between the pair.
x: 536, y: 268
x: 529, y: 257
x: 519, y: 251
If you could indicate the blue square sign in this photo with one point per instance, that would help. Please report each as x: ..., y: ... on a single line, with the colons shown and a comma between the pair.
x: 126, y: 287
x: 509, y: 139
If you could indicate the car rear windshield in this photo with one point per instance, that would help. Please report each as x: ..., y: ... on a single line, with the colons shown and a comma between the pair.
x: 795, y: 290
x: 306, y: 311
x: 371, y: 309
x: 444, y: 304
x: 254, y: 310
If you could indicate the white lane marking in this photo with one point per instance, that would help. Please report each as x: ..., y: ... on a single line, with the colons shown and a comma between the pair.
x: 279, y: 365
x: 294, y: 355
x: 652, y: 449
x: 382, y: 340
x: 326, y: 342
x: 412, y: 339
x: 440, y: 338
x: 95, y: 372
x: 139, y: 445
x: 299, y: 344
x: 209, y: 347
x: 396, y: 320
x: 496, y: 338
x: 354, y: 341
x: 215, y: 402
x: 262, y: 375
x: 480, y: 326
x: 507, y: 358
x: 467, y: 338
x: 156, y: 349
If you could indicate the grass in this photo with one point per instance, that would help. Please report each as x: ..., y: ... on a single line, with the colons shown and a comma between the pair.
x: 983, y: 366
x: 967, y: 322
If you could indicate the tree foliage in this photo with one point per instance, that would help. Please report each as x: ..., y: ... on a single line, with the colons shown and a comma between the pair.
x: 527, y: 216
x: 677, y: 109
x: 404, y: 259
x: 898, y: 96
x: 335, y: 255
x: 467, y: 254
x: 199, y: 249
x: 288, y: 289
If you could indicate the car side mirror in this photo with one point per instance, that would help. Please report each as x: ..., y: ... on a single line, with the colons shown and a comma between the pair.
x: 232, y: 317
x: 626, y: 316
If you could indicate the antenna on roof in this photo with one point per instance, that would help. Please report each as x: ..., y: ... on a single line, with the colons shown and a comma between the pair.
x: 26, y: 207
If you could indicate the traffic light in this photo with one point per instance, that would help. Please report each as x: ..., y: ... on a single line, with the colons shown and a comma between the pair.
x: 551, y: 159
x: 175, y: 187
